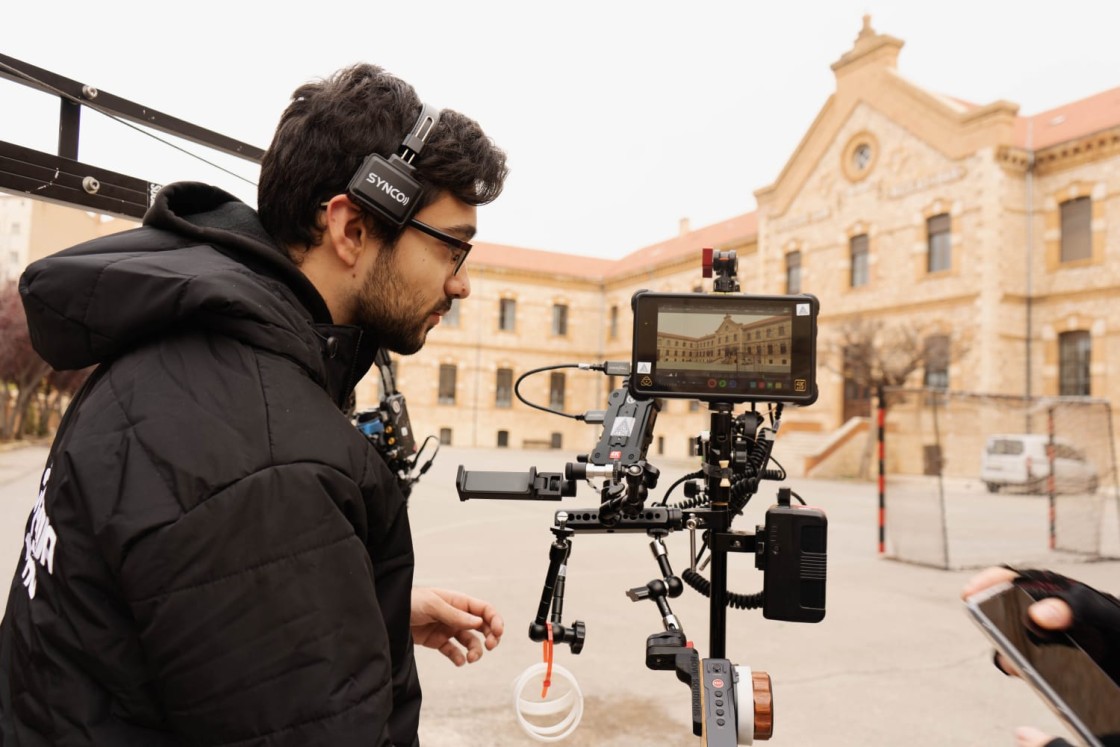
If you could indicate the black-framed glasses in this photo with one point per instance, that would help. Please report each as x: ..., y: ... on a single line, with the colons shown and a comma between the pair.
x: 459, y: 249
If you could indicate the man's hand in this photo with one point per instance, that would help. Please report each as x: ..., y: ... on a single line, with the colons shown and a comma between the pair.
x: 455, y: 624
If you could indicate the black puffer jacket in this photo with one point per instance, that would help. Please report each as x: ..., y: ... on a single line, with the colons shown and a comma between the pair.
x: 217, y: 557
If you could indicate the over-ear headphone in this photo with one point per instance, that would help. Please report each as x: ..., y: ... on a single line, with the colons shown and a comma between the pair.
x: 388, y: 187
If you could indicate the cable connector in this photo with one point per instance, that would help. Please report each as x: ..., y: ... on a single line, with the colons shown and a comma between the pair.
x: 611, y: 368
x: 617, y: 368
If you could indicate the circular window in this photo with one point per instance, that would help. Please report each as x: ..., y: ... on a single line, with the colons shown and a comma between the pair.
x: 860, y: 156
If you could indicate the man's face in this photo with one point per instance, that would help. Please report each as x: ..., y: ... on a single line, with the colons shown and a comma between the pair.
x: 408, y: 288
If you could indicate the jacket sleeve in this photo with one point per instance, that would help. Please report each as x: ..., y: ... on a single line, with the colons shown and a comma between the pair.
x: 259, y: 615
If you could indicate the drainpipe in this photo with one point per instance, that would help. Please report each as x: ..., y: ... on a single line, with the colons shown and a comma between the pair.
x: 477, y: 375
x: 1030, y: 255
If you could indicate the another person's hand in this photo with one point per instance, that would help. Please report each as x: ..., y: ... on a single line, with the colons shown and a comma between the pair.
x: 1028, y: 736
x: 1051, y: 614
x: 457, y: 625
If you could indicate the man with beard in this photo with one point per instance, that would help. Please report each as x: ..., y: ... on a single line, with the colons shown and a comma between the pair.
x: 216, y: 556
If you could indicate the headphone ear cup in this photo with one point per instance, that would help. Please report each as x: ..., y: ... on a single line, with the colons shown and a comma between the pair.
x: 387, y: 188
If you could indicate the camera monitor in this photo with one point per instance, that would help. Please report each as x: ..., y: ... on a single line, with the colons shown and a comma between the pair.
x: 725, y: 347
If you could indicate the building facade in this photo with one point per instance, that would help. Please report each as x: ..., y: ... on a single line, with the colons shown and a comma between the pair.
x: 31, y: 229
x: 992, y: 236
x: 979, y: 230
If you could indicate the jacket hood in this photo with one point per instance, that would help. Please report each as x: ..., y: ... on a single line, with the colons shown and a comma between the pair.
x: 201, y: 261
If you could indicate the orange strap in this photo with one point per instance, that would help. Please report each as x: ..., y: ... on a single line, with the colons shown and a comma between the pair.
x: 547, y: 660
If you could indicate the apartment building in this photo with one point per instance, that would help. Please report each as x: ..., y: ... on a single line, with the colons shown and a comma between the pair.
x: 31, y: 229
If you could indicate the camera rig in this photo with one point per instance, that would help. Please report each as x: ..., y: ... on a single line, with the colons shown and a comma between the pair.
x: 730, y: 704
x: 389, y: 430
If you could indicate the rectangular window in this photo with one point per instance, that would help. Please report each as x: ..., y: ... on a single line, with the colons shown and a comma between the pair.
x: 1074, y: 351
x: 445, y: 436
x: 556, y: 391
x: 503, y: 396
x: 858, y: 245
x: 940, y: 257
x: 793, y: 272
x: 448, y: 372
x: 556, y: 441
x: 1076, y: 233
x: 614, y: 323
x: 507, y: 314
x: 560, y: 319
x: 936, y: 357
x: 451, y: 318
x: 503, y: 439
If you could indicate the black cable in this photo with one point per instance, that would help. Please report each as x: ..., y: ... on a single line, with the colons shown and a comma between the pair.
x: 735, y: 601
x: 696, y: 501
x: 778, y: 475
x: 665, y: 499
x: 522, y: 377
x: 385, y: 367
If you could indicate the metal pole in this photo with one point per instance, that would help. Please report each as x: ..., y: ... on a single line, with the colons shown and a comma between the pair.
x: 719, y: 493
x: 935, y: 395
x: 881, y: 419
x: 1051, y: 484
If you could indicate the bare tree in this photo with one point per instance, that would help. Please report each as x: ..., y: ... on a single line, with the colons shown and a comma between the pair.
x: 21, y: 369
x: 25, y: 378
x: 872, y: 355
x: 55, y: 392
x: 875, y: 355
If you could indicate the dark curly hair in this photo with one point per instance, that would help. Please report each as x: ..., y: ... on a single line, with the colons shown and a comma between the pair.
x: 330, y: 127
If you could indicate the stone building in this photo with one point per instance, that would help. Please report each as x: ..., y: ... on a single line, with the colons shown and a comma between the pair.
x: 976, y: 228
x: 988, y: 234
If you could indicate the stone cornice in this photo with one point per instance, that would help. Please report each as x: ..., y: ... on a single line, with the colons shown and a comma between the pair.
x: 1095, y: 147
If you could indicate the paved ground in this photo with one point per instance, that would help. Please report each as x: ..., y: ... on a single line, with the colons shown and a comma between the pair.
x: 895, y: 662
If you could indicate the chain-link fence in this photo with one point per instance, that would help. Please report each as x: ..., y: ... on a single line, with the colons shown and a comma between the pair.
x: 975, y: 479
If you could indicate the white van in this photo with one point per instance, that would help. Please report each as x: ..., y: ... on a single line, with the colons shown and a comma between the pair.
x: 1020, y: 461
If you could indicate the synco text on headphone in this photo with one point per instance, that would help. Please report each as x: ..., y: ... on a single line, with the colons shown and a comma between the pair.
x: 388, y: 187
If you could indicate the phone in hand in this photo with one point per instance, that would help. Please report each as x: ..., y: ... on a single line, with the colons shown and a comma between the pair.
x: 1071, y: 682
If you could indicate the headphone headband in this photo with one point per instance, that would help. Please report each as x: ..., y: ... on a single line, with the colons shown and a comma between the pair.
x: 388, y: 187
x: 421, y: 131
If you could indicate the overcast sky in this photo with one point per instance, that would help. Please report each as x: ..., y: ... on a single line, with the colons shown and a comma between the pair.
x: 619, y: 118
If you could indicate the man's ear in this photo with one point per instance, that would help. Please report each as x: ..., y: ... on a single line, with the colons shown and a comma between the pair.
x: 346, y: 229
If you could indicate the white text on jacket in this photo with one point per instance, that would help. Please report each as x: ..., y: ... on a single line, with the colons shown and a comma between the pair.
x: 40, y: 541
